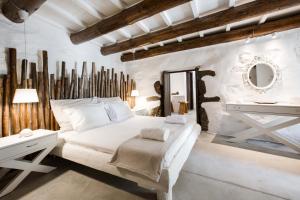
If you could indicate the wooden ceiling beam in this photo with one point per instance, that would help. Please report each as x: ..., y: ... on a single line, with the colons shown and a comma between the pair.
x: 222, y: 18
x: 128, y: 16
x: 270, y: 27
x: 11, y: 8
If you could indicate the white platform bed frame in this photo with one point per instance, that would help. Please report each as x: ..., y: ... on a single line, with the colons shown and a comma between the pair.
x: 99, y: 161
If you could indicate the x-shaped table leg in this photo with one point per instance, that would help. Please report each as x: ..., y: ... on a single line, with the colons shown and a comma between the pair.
x: 268, y: 129
x: 27, y: 167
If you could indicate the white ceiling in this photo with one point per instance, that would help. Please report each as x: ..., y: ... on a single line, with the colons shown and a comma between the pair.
x: 75, y: 15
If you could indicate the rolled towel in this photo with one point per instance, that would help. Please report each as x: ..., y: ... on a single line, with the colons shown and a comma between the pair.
x: 176, y: 119
x: 160, y: 134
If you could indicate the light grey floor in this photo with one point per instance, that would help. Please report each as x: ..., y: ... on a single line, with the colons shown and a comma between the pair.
x: 212, y: 172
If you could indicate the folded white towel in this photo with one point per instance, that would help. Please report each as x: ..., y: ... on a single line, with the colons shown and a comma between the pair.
x: 160, y: 134
x: 176, y: 119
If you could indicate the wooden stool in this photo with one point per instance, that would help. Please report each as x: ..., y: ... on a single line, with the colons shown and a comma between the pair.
x: 183, y: 107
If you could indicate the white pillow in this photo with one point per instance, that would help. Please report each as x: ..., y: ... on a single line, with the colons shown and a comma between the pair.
x: 57, y: 107
x: 87, y: 116
x: 109, y: 99
x: 118, y: 111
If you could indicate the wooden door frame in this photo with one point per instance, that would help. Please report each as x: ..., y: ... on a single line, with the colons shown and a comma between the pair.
x: 163, y: 103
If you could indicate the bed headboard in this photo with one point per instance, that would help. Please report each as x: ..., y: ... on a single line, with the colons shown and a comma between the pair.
x: 15, y: 117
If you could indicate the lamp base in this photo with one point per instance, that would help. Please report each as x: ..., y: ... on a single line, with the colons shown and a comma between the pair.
x: 26, y: 132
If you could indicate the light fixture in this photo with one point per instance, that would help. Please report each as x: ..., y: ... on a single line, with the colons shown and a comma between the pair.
x: 25, y: 96
x: 135, y: 93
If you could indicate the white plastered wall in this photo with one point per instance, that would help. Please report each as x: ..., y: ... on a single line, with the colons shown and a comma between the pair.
x: 227, y: 61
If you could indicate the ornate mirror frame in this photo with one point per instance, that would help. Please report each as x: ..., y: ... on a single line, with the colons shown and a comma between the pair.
x: 260, y: 60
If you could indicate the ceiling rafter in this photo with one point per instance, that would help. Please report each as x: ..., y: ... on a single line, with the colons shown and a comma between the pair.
x: 228, y: 27
x: 132, y: 14
x: 263, y: 19
x: 65, y: 14
x: 195, y: 8
x: 119, y: 3
x: 179, y: 39
x: 74, y: 19
x: 225, y: 17
x: 143, y: 26
x: 110, y: 38
x: 166, y: 17
x: 85, y: 5
x: 125, y: 33
x: 231, y: 3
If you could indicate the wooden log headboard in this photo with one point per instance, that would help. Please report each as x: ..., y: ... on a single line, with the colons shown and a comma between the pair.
x: 14, y: 117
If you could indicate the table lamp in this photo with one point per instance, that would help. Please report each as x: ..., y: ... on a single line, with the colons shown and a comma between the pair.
x: 25, y: 96
x: 134, y: 94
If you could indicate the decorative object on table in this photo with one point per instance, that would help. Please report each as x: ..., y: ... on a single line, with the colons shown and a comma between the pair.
x: 14, y: 148
x: 26, y: 96
x: 202, y: 118
x: 261, y: 74
x: 183, y: 107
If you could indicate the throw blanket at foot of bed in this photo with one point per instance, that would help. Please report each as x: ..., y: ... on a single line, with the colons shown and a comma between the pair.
x: 148, y: 157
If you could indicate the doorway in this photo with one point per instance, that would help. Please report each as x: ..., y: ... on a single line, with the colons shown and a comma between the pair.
x: 180, y: 92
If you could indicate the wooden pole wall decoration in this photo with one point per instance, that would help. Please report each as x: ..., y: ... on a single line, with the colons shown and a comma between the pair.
x: 15, y: 117
x: 1, y: 103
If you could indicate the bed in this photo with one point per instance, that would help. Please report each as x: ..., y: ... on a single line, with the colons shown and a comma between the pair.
x: 95, y: 148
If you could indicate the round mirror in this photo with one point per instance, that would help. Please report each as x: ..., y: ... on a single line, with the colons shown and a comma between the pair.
x: 261, y: 76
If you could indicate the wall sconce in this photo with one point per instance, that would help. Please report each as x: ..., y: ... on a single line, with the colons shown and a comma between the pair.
x: 134, y: 94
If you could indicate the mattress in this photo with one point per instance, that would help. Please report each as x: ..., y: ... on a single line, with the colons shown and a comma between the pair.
x: 108, y: 138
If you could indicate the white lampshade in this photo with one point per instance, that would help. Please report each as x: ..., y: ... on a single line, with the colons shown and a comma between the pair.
x: 134, y: 93
x: 25, y: 96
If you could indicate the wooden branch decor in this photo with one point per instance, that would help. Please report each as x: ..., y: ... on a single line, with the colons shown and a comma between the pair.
x: 137, y: 12
x: 202, y: 118
x: 222, y: 18
x: 11, y: 8
x: 270, y: 27
x: 1, y: 102
x: 6, y: 104
x: 15, y: 117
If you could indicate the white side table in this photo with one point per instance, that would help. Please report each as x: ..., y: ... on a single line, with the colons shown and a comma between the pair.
x: 240, y: 111
x: 14, y: 148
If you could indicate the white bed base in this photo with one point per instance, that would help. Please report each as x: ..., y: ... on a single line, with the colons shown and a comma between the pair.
x: 99, y: 160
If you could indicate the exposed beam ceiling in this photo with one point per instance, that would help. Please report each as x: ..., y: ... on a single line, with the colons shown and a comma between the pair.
x: 222, y: 18
x: 126, y: 17
x: 286, y: 23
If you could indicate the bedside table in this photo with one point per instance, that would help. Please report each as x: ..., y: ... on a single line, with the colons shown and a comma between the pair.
x: 14, y: 148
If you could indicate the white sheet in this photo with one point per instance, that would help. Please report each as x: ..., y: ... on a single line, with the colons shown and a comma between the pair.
x: 107, y: 139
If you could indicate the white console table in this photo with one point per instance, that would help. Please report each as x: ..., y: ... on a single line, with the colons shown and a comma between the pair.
x: 240, y: 111
x: 14, y: 148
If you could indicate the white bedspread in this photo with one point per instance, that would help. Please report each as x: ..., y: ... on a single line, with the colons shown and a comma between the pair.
x: 107, y: 139
x: 148, y: 157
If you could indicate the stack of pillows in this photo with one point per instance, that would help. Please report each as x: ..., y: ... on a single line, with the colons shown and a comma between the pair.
x: 89, y: 113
